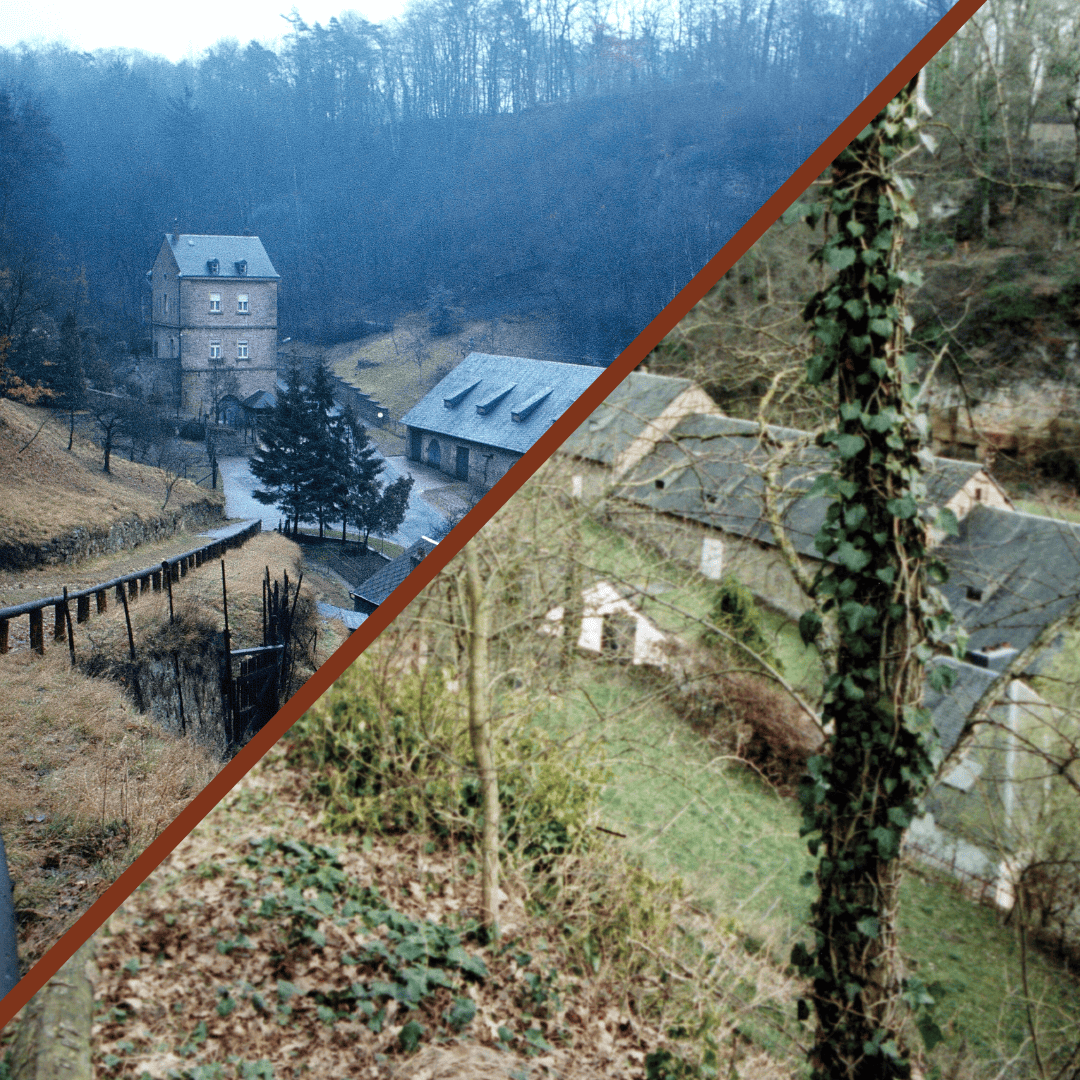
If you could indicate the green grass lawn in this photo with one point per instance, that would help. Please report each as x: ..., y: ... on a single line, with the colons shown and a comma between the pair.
x: 1047, y: 509
x: 734, y: 841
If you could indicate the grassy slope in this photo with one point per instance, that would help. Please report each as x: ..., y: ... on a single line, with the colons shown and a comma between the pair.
x: 735, y: 842
x: 77, y: 760
x: 45, y: 491
x: 390, y: 373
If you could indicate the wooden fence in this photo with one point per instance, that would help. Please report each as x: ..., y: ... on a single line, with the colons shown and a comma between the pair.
x: 126, y: 587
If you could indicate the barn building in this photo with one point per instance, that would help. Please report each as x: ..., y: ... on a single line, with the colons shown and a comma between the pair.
x: 481, y: 417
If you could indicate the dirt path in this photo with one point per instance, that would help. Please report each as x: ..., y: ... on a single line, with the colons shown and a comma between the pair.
x: 20, y: 586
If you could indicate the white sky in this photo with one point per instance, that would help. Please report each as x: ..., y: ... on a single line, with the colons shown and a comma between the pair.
x: 172, y: 29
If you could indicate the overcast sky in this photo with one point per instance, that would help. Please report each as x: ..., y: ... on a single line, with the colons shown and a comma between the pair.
x: 174, y: 30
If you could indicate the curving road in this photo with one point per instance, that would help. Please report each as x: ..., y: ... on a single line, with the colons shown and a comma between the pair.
x: 420, y: 519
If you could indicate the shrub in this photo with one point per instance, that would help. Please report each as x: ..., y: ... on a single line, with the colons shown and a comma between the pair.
x: 396, y: 757
x: 735, y: 611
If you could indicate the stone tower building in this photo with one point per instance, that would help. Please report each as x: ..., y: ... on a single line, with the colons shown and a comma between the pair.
x: 214, y: 325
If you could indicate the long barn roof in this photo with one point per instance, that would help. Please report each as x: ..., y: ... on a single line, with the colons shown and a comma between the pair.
x: 506, y: 402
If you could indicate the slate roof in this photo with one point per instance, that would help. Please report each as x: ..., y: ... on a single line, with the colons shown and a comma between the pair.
x: 622, y: 417
x: 950, y: 709
x: 261, y: 399
x: 192, y: 252
x: 387, y: 578
x: 708, y: 470
x: 506, y: 402
x: 1010, y: 575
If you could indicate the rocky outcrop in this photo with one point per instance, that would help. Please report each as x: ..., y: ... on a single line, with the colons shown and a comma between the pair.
x: 129, y: 532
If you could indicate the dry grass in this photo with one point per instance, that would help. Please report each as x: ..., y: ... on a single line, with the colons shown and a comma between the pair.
x: 389, y: 371
x: 86, y: 781
x: 85, y: 784
x: 46, y: 492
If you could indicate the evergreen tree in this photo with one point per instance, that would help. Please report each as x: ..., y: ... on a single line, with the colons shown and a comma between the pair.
x: 279, y: 464
x: 393, y: 504
x: 362, y: 468
x: 325, y: 465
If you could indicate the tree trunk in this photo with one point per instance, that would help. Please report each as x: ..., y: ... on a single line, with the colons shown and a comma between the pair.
x: 480, y: 731
x: 862, y: 793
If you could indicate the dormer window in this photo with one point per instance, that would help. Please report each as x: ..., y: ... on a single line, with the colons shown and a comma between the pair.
x: 212, y: 267
x: 215, y: 301
x: 241, y: 268
x: 242, y: 304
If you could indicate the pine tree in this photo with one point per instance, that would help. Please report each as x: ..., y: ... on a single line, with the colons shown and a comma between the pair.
x: 280, y: 462
x: 325, y: 466
x: 363, y: 466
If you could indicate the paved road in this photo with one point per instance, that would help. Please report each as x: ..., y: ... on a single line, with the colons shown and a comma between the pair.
x: 421, y: 518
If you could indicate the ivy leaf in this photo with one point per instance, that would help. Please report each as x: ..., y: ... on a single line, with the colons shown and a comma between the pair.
x: 855, y: 559
x: 899, y: 816
x: 888, y: 842
x: 849, y: 445
x: 905, y: 507
x: 882, y: 327
x: 839, y: 258
x: 819, y: 368
x: 855, y: 308
x: 946, y: 521
x: 931, y: 1034
x: 410, y: 1035
x: 868, y: 926
x: 809, y: 626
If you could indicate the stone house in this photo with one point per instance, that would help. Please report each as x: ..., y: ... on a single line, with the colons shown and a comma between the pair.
x: 214, y: 322
x: 482, y: 416
x: 698, y: 497
x: 629, y: 423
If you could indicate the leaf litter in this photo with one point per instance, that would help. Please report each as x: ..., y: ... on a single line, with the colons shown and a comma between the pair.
x: 265, y: 947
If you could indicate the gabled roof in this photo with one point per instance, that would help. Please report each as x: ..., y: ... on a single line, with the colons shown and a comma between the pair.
x: 194, y: 252
x: 506, y: 402
x: 709, y: 469
x: 261, y: 400
x: 623, y: 416
x: 1010, y: 575
x: 387, y: 578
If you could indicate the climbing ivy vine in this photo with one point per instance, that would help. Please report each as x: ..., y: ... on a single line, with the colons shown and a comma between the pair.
x: 879, y: 584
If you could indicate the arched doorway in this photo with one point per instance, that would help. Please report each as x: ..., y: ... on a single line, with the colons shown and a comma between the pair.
x: 434, y: 453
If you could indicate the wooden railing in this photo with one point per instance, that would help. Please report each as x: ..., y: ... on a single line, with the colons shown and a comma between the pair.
x: 126, y: 587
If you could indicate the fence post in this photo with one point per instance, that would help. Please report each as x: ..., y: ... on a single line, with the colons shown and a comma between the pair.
x: 155, y: 579
x: 58, y: 620
x: 82, y: 608
x: 3, y: 636
x: 102, y: 598
x: 167, y: 572
x: 37, y: 632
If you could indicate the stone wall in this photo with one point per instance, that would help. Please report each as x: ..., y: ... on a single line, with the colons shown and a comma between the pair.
x: 128, y: 532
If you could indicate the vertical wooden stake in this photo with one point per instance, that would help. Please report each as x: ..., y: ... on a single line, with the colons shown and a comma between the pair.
x: 37, y: 632
x: 70, y: 632
x: 166, y: 571
x: 127, y: 619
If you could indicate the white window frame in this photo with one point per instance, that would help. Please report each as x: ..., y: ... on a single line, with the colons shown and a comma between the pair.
x: 215, y: 303
x: 241, y: 350
x: 242, y: 304
x: 215, y: 350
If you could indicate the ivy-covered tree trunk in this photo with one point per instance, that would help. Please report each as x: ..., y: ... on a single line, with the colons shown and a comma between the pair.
x: 862, y: 793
